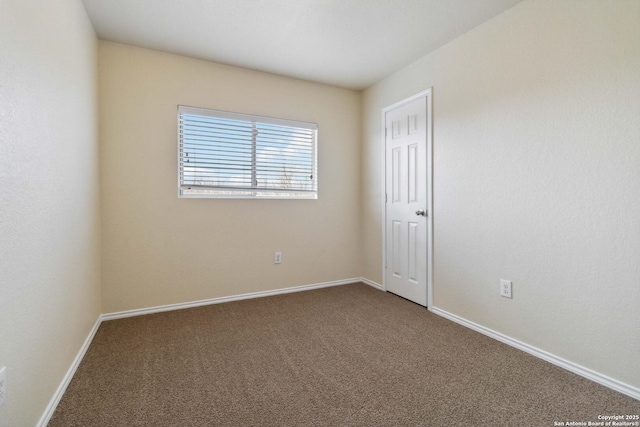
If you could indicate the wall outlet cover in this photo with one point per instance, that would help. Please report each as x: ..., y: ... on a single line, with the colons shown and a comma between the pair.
x: 505, y: 288
x: 3, y: 384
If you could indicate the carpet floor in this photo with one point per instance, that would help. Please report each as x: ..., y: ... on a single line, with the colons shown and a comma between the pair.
x: 341, y: 356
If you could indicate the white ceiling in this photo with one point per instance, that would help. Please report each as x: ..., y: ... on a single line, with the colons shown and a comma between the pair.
x: 347, y: 43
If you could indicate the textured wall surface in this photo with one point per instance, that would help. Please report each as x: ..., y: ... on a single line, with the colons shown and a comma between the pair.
x: 536, y: 160
x: 49, y: 212
x: 159, y: 249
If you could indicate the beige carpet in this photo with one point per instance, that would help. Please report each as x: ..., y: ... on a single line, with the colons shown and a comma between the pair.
x: 343, y: 356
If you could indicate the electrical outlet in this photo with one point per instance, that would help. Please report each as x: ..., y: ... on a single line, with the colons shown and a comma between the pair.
x: 3, y: 385
x: 278, y: 258
x: 505, y: 288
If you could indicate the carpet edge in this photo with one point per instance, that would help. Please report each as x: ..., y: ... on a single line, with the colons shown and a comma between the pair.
x: 57, y: 396
x: 220, y: 300
x: 587, y: 373
x: 371, y: 283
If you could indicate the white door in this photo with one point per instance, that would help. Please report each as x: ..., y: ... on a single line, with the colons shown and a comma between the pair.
x: 406, y: 224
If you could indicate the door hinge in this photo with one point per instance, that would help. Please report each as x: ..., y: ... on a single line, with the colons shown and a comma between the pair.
x: 385, y: 197
x: 385, y: 132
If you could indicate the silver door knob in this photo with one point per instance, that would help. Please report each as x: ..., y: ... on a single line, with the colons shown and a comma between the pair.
x: 421, y: 212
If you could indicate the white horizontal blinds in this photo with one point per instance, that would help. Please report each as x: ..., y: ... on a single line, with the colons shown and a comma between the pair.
x: 284, y: 157
x: 215, y: 152
x: 235, y: 155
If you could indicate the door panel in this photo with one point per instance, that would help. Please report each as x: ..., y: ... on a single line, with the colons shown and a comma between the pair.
x: 413, y: 174
x: 396, y: 265
x: 396, y: 174
x: 413, y: 252
x: 406, y: 194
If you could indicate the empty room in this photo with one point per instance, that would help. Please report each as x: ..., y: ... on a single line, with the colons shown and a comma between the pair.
x: 319, y: 212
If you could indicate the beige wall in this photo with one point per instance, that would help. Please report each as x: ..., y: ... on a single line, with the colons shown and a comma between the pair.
x: 536, y: 177
x: 159, y: 249
x: 49, y: 203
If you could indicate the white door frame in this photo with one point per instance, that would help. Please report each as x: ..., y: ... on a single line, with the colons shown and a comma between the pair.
x: 428, y: 95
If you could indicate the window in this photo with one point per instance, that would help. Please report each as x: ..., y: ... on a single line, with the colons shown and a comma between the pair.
x: 230, y: 155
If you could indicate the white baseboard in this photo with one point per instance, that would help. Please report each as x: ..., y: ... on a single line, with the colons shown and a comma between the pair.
x: 372, y: 283
x: 53, y: 404
x: 180, y: 306
x: 558, y: 361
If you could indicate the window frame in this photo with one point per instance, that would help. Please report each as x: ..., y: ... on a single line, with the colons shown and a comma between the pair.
x: 253, y: 192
